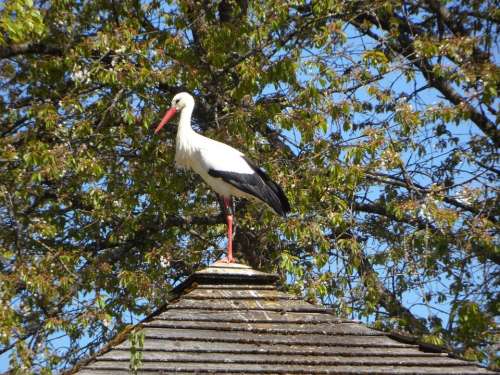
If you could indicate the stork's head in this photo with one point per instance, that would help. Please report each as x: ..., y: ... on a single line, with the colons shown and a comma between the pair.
x: 179, y: 102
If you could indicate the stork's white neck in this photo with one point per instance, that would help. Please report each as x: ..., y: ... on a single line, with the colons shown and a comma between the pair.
x: 185, y: 143
x: 184, y: 128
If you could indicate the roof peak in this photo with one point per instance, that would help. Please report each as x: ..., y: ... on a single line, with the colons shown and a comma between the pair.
x: 227, y: 273
x: 224, y: 269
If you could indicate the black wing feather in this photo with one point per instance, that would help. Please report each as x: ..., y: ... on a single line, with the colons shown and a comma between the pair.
x: 258, y: 184
x: 278, y: 191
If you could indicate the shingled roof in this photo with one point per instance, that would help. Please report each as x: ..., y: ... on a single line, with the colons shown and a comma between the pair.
x: 231, y: 319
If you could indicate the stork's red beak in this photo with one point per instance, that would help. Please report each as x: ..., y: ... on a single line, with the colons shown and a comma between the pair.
x: 170, y: 113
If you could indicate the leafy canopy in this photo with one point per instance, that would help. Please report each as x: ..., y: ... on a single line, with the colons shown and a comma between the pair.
x: 379, y: 119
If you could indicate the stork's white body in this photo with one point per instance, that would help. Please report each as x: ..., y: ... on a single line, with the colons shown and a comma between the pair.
x: 201, y: 154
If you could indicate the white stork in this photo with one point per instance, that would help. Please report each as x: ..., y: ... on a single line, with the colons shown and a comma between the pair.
x: 224, y: 168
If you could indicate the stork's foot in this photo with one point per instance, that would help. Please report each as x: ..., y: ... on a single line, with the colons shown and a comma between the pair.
x: 228, y: 260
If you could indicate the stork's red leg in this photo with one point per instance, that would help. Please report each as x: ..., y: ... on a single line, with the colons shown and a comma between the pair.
x: 229, y: 218
x: 230, y: 258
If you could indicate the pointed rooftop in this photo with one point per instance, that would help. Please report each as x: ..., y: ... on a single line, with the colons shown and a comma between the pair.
x: 231, y: 319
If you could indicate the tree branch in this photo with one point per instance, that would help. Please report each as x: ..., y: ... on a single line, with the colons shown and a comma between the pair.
x: 389, y: 301
x: 406, y: 49
x: 419, y: 189
x: 381, y: 210
x: 29, y: 49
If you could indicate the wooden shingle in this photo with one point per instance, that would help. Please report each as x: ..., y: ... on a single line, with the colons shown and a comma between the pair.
x: 231, y: 319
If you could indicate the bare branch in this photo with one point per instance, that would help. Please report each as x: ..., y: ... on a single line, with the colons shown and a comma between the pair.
x: 30, y: 49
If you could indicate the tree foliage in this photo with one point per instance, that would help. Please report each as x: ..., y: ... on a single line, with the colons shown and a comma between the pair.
x: 379, y: 119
